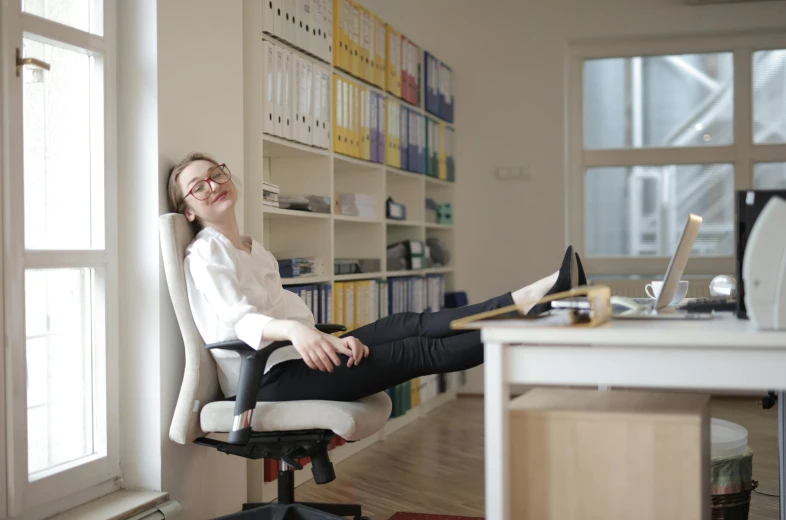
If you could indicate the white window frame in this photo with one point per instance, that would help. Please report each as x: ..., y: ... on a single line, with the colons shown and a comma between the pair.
x: 742, y: 154
x: 86, y: 480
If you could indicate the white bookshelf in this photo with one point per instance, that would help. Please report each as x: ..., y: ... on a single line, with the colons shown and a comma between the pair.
x: 300, y: 169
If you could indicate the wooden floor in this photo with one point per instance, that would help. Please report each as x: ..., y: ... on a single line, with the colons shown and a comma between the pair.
x: 435, y: 465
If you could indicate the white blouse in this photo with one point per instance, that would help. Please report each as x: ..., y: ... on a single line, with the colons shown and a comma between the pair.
x: 233, y: 295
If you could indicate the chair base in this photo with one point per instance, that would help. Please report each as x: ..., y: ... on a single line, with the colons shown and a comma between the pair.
x: 297, y: 511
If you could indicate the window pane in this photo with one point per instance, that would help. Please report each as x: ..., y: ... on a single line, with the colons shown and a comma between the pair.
x: 60, y: 368
x: 659, y: 101
x: 769, y: 96
x: 85, y: 15
x: 62, y: 191
x: 641, y: 210
x: 769, y: 176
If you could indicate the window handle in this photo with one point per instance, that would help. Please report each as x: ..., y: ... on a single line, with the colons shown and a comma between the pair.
x: 21, y: 62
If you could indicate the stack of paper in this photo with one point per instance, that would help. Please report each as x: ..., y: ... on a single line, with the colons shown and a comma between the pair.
x: 270, y: 193
x: 356, y: 205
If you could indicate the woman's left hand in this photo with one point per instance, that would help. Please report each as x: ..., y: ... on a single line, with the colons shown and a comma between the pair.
x: 359, y: 350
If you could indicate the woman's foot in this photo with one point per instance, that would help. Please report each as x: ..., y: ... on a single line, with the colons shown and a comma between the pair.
x: 528, y: 296
x: 566, y: 278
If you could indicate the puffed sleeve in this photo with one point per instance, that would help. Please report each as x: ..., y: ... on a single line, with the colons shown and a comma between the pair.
x: 214, y: 272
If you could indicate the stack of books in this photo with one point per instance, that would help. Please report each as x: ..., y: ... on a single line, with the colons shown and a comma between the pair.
x: 270, y: 193
x: 295, y: 267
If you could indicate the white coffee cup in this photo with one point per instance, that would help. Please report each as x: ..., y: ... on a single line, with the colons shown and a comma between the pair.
x: 653, y: 291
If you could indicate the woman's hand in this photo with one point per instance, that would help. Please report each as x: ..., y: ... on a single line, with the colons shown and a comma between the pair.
x: 317, y: 348
x: 359, y: 350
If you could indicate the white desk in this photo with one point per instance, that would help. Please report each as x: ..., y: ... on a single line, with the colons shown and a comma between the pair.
x: 724, y: 353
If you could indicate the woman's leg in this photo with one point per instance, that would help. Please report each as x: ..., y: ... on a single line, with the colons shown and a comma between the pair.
x: 427, y: 324
x: 387, y: 365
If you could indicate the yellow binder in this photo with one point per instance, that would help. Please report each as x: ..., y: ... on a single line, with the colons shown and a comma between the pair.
x: 372, y: 53
x: 393, y: 62
x: 379, y: 51
x: 442, y: 170
x: 354, y: 37
x: 392, y: 136
x: 358, y: 132
x: 366, y: 124
x: 338, y: 303
x: 338, y: 133
x: 339, y: 37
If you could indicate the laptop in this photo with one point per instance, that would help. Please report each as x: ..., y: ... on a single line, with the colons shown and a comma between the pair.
x: 648, y: 308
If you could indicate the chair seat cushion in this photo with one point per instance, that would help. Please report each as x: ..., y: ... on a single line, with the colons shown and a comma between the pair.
x: 352, y: 421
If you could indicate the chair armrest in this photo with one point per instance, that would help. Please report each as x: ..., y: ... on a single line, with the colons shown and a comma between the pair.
x: 234, y: 345
x: 330, y: 328
x: 252, y: 367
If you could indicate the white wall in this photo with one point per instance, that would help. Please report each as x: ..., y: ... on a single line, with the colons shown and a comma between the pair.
x: 200, y: 108
x: 508, y: 61
x: 180, y: 90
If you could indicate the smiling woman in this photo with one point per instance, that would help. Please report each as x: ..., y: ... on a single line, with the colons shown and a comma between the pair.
x: 235, y: 292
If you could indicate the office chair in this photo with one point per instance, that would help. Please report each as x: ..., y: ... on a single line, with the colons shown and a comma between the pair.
x: 283, y: 431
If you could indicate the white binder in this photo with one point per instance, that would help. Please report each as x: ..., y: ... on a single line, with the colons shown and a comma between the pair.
x: 278, y: 94
x: 303, y: 25
x: 327, y: 30
x: 316, y: 96
x: 288, y: 20
x: 327, y: 112
x: 304, y: 101
x: 271, y: 17
x: 317, y: 17
x: 268, y: 87
x: 287, y: 96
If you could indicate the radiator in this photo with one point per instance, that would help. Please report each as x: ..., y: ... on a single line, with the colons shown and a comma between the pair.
x: 698, y: 288
x: 166, y: 511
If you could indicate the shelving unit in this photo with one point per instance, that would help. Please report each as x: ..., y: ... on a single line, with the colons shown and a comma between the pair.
x: 301, y: 169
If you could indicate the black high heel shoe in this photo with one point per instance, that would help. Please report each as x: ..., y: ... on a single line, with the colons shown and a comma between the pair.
x: 582, y: 278
x: 567, y: 279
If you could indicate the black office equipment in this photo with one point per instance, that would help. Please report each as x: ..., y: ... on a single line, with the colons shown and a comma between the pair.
x: 748, y: 206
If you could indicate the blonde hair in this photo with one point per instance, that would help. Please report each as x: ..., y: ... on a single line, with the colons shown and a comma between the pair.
x: 176, y: 197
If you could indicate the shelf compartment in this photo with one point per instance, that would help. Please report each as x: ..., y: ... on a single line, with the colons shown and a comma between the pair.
x: 439, y: 182
x: 358, y: 220
x: 404, y: 174
x: 438, y: 270
x: 342, y: 163
x: 271, y: 212
x: 305, y: 280
x: 430, y: 225
x: 357, y: 276
x: 399, y: 274
x: 403, y: 223
x: 274, y: 146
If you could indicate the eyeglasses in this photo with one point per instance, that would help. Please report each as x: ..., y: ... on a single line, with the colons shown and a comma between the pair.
x: 218, y: 174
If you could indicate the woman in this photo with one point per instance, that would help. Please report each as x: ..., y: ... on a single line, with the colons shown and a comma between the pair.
x: 235, y: 292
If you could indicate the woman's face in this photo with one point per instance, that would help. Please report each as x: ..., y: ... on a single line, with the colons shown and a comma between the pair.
x: 218, y: 199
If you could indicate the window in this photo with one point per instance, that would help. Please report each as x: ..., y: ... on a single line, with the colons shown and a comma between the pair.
x: 60, y: 256
x: 658, y: 130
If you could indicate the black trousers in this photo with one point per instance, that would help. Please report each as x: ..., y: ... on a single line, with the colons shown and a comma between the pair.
x: 401, y: 346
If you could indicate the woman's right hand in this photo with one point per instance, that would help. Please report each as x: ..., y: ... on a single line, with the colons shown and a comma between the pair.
x: 319, y: 350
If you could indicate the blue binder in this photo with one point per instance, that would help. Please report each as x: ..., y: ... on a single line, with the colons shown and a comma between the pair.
x: 432, y: 84
x: 404, y: 136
